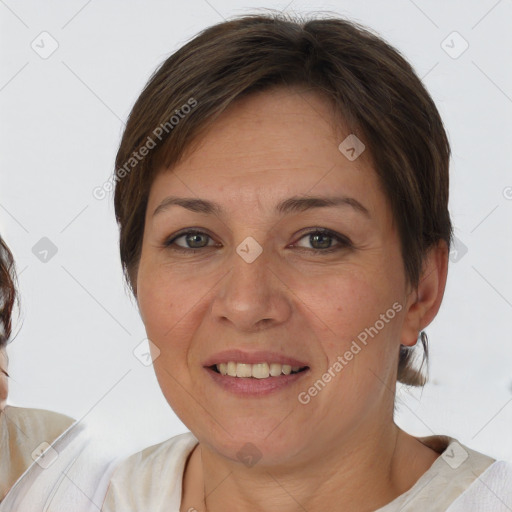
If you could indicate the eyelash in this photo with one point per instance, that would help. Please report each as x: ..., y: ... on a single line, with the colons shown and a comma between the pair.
x: 343, y: 241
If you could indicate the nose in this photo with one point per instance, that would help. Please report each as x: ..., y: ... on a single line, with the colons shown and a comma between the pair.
x: 252, y: 297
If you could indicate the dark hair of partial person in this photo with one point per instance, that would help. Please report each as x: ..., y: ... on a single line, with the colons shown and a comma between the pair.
x: 373, y: 90
x: 7, y: 292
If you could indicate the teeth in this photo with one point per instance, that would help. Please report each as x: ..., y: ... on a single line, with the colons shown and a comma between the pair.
x: 258, y: 371
x: 231, y: 369
x: 243, y: 370
x: 275, y: 369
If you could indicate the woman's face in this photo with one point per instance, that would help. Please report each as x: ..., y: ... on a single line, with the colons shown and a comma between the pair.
x: 250, y: 287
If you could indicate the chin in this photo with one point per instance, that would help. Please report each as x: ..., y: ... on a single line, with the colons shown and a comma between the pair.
x: 260, y: 444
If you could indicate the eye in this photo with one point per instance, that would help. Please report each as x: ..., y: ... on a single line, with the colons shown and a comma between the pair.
x: 323, y: 238
x: 194, y: 241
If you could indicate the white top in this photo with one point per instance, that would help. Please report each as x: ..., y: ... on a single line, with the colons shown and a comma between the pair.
x: 22, y: 432
x: 151, y: 480
x: 67, y: 474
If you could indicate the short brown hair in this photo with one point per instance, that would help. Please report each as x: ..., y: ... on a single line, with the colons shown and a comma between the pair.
x: 372, y: 87
x: 7, y: 292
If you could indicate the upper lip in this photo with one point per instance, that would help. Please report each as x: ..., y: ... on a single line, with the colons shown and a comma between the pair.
x: 241, y: 356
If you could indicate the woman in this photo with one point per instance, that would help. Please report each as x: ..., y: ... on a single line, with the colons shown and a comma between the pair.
x: 46, y: 459
x: 282, y: 197
x: 24, y: 433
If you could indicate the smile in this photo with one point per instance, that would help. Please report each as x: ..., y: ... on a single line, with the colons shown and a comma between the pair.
x: 257, y: 371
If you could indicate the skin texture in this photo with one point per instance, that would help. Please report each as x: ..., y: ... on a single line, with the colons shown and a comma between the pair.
x: 343, y: 446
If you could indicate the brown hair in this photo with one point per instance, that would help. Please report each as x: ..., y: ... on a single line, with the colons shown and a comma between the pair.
x: 7, y: 292
x: 372, y: 88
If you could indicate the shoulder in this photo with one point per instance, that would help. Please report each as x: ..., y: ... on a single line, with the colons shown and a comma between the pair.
x: 24, y: 433
x: 70, y: 472
x: 150, y: 478
x: 451, y: 474
x: 456, y: 458
x: 42, y: 422
x: 490, y: 492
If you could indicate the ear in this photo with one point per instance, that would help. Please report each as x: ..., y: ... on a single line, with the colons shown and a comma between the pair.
x: 423, y: 303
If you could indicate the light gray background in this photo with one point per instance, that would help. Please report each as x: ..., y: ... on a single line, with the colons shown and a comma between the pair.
x: 62, y: 119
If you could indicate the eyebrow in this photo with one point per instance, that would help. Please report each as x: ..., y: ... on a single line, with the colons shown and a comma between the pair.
x: 290, y: 205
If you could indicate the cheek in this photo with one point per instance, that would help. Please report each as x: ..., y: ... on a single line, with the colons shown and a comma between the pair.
x: 354, y: 303
x: 157, y: 298
x: 4, y: 389
x: 163, y: 310
x: 359, y: 328
x: 360, y: 343
x: 169, y: 305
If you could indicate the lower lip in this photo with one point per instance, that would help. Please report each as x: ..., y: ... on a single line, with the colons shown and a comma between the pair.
x: 252, y: 386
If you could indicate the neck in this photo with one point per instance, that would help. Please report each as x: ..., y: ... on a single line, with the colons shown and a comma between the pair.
x: 365, y: 472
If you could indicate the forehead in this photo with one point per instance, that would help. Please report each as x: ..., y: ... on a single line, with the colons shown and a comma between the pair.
x: 277, y: 126
x: 269, y: 145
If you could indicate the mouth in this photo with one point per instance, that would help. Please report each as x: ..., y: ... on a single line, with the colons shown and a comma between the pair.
x: 256, y: 371
x: 255, y: 380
